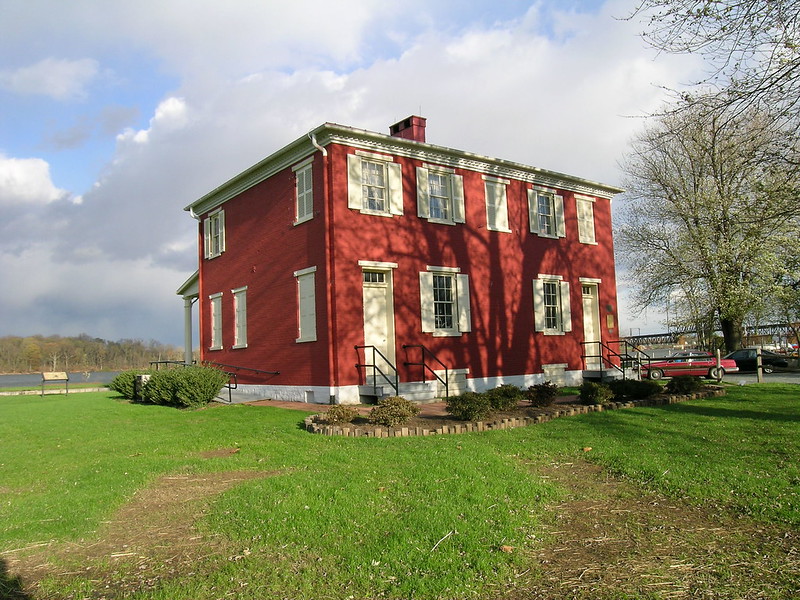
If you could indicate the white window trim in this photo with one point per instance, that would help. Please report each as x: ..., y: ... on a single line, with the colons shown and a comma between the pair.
x: 216, y: 322
x: 455, y: 194
x: 394, y: 184
x: 559, y: 226
x: 239, y: 318
x: 462, y: 315
x: 297, y: 169
x: 501, y: 212
x: 374, y: 264
x: 307, y: 333
x: 214, y: 215
x: 565, y: 317
x: 583, y: 238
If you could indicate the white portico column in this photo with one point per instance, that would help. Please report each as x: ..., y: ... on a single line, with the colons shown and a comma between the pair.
x: 190, y: 292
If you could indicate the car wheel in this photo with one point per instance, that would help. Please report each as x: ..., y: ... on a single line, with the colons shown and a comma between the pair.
x: 655, y: 374
x: 715, y: 373
x: 767, y: 368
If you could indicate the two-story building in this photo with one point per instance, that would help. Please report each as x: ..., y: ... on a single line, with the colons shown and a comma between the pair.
x: 350, y: 259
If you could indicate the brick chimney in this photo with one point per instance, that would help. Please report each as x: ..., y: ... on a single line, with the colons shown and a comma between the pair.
x: 412, y: 128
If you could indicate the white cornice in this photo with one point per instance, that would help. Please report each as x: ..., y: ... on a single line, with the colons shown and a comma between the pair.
x: 370, y: 141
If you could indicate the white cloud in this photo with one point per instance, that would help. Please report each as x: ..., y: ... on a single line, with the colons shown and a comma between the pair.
x: 60, y: 79
x: 27, y: 181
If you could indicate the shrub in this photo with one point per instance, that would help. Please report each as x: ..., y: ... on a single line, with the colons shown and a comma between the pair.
x: 595, y: 393
x: 189, y: 387
x: 637, y: 390
x: 684, y: 384
x: 542, y: 394
x: 504, y: 397
x: 340, y: 413
x: 123, y: 383
x: 470, y: 406
x: 392, y: 411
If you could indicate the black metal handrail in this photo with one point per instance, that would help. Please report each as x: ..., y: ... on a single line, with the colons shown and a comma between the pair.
x: 376, y: 369
x: 628, y: 356
x: 426, y: 367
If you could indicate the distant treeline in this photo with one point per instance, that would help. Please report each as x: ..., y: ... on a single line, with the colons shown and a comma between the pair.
x: 83, y: 353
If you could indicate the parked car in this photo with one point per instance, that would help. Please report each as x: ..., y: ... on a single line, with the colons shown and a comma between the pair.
x: 689, y: 362
x: 746, y: 360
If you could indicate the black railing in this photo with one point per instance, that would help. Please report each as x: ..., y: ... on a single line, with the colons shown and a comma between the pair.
x: 627, y: 355
x: 426, y: 367
x: 377, y: 370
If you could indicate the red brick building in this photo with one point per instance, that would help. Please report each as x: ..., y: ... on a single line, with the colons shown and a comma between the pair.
x: 350, y: 259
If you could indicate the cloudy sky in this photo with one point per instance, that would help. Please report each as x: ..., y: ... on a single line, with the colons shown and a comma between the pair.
x: 116, y: 115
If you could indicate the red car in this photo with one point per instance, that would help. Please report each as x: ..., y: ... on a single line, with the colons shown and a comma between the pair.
x: 690, y: 362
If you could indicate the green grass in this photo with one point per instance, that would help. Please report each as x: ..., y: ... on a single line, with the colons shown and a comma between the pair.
x: 398, y: 517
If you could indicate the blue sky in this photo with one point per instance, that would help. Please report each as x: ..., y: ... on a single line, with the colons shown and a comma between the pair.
x: 116, y: 115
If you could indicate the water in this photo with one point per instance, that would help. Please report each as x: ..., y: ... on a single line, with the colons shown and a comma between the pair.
x: 35, y: 379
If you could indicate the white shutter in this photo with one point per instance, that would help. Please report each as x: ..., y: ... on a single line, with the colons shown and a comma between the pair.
x: 538, y: 305
x: 423, y: 194
x: 426, y: 301
x: 491, y: 206
x: 457, y: 187
x: 221, y: 231
x: 395, y: 176
x: 533, y: 211
x: 496, y: 206
x: 206, y: 238
x: 355, y: 195
x: 464, y: 311
x: 566, y: 309
x: 307, y: 310
x: 558, y: 202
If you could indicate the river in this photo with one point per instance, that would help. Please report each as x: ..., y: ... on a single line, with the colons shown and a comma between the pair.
x: 16, y: 380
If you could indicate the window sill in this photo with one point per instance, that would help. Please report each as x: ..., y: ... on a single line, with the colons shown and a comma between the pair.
x: 498, y: 230
x: 592, y: 243
x: 376, y: 213
x: 303, y: 340
x: 215, y: 348
x: 302, y: 220
x: 446, y: 333
x: 239, y: 347
x: 441, y: 221
x: 553, y: 332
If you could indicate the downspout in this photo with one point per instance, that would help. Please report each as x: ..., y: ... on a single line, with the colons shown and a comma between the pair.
x: 327, y: 198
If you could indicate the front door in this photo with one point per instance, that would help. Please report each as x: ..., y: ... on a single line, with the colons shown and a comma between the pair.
x: 591, y: 326
x: 379, y: 324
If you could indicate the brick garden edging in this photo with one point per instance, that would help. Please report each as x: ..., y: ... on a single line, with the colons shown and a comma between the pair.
x: 548, y: 414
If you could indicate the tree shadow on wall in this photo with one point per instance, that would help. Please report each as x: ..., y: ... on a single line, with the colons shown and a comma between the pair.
x: 10, y: 585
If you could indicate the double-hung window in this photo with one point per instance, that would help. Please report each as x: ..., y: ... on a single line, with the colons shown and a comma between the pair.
x: 306, y: 305
x: 551, y: 305
x: 374, y: 184
x: 216, y: 321
x: 584, y: 206
x: 304, y: 191
x: 445, y: 305
x: 240, y: 317
x: 440, y: 195
x: 546, y: 213
x: 214, y: 234
x: 496, y: 203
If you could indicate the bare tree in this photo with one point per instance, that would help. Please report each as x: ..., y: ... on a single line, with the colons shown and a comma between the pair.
x: 713, y: 204
x: 751, y: 46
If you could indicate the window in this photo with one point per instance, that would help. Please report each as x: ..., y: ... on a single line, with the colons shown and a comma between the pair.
x: 440, y: 195
x: 546, y: 213
x: 374, y: 277
x: 444, y: 297
x: 585, y: 210
x: 216, y: 321
x: 304, y: 192
x: 496, y: 204
x: 214, y: 234
x: 375, y: 184
x: 306, y: 305
x: 551, y: 305
x: 240, y: 317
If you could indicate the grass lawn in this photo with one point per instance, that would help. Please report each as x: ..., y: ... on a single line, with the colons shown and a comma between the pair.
x: 100, y: 498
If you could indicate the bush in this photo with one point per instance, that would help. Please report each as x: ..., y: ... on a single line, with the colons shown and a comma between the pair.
x: 595, y: 393
x: 633, y: 389
x: 189, y: 387
x: 123, y: 383
x: 542, y: 394
x: 392, y: 411
x: 685, y: 384
x: 340, y: 413
x: 470, y: 406
x: 504, y: 397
